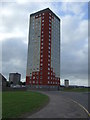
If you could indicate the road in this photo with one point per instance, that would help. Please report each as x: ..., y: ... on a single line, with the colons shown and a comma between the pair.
x: 80, y: 97
x: 62, y: 106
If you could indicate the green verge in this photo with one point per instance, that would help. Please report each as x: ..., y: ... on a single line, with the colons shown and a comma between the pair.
x: 15, y: 104
x: 76, y: 89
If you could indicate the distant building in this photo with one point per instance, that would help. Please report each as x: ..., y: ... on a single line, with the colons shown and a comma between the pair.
x: 66, y: 82
x: 3, y: 81
x: 14, y: 78
x: 73, y: 86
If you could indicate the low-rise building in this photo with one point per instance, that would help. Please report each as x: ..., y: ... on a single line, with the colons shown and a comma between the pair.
x: 3, y: 82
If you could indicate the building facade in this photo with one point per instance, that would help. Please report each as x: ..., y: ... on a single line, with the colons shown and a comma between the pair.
x: 14, y: 78
x: 43, y: 61
x: 3, y: 82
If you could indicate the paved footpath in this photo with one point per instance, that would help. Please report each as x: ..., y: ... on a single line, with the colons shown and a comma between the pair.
x: 60, y: 107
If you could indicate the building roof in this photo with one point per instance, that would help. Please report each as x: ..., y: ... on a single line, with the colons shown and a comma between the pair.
x: 2, y: 77
x: 15, y: 73
x: 45, y: 10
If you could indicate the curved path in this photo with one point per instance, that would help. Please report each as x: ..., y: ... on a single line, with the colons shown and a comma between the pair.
x: 60, y: 107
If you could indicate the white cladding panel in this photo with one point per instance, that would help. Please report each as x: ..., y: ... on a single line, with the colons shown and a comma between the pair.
x: 33, y: 62
x: 55, y: 46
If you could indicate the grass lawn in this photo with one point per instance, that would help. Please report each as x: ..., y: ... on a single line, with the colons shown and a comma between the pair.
x: 15, y: 104
x: 76, y: 89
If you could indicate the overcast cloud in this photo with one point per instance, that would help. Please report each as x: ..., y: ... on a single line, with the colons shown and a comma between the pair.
x: 14, y: 26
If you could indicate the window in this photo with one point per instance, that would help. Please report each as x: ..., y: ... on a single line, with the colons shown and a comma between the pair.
x: 33, y: 23
x: 48, y: 64
x: 41, y: 51
x: 49, y: 56
x: 41, y: 55
x: 49, y: 24
x: 30, y: 78
x: 48, y: 47
x: 51, y: 78
x: 49, y: 52
x: 48, y: 73
x: 49, y: 28
x: 50, y: 17
x: 41, y: 60
x: 50, y: 21
x: 42, y: 39
x: 33, y: 77
x: 42, y: 24
x: 50, y: 14
x: 43, y: 14
x: 41, y: 68
x: 42, y: 20
x: 49, y: 43
x: 48, y: 82
x: 36, y: 15
x: 40, y: 77
x: 48, y: 77
x: 41, y: 64
x: 42, y: 47
x: 48, y: 68
x: 48, y: 60
x: 49, y: 40
x: 37, y: 77
x: 41, y: 43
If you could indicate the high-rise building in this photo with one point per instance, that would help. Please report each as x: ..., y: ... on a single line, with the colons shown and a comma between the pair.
x: 14, y: 78
x: 43, y: 61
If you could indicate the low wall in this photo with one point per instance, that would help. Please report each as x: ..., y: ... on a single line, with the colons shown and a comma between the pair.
x: 13, y: 89
x: 43, y: 88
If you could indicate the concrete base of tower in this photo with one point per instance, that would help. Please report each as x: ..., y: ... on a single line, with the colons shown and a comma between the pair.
x: 42, y: 87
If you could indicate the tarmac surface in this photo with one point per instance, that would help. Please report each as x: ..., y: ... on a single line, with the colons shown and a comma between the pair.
x: 64, y: 105
x: 80, y: 97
